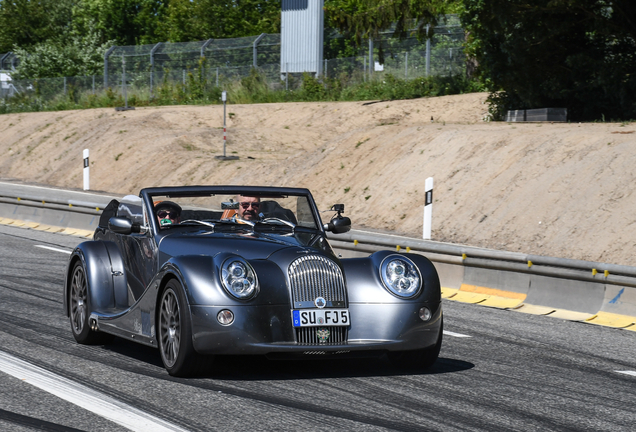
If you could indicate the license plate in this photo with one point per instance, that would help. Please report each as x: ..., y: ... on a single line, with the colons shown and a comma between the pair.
x: 320, y: 317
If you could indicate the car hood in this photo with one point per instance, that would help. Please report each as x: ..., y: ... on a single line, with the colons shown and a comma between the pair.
x: 249, y: 245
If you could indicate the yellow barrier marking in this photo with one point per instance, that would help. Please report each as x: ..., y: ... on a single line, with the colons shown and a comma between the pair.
x: 464, y: 256
x: 43, y: 228
x: 501, y: 302
x: 571, y: 315
x: 492, y: 291
x: 54, y: 229
x: 606, y: 273
x: 467, y: 297
x: 594, y: 272
x: 529, y: 264
x: 534, y: 309
x: 32, y: 224
x: 408, y: 249
x: 355, y: 242
x: 449, y: 292
x: 397, y: 248
x: 612, y: 320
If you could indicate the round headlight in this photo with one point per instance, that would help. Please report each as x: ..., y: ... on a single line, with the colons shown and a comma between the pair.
x: 239, y: 278
x: 400, y: 276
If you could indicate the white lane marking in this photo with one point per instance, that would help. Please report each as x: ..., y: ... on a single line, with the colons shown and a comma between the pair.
x: 91, y: 400
x: 54, y: 249
x: 633, y: 373
x: 459, y: 335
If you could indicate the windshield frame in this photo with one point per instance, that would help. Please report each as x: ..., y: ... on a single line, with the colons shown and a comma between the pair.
x: 148, y: 195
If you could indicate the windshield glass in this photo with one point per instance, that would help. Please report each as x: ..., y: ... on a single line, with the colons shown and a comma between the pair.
x: 288, y: 211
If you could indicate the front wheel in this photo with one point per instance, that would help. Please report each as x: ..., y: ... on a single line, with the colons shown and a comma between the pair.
x: 418, y: 359
x: 175, y: 335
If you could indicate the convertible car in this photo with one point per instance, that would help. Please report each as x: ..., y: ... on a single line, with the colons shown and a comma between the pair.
x: 199, y: 271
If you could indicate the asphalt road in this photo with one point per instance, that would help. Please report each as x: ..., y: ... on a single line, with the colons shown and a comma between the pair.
x: 514, y: 372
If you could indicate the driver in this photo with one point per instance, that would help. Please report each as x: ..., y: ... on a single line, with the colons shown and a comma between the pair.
x: 249, y: 208
x: 168, y: 213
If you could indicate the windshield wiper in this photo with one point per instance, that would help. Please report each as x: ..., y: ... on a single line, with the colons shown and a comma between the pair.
x: 197, y: 222
x: 277, y: 221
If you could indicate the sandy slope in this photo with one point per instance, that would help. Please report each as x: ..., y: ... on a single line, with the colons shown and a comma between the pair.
x: 551, y: 189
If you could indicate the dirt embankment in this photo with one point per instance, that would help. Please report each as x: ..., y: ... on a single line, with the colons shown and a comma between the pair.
x: 550, y: 189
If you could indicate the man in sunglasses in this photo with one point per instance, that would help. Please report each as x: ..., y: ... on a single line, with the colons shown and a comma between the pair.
x: 168, y: 213
x: 249, y: 208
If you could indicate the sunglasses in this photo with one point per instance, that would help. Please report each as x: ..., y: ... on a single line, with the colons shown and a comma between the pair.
x: 247, y: 205
x: 165, y: 213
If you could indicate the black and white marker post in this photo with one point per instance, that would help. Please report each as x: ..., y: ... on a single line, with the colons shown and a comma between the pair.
x: 428, y: 208
x: 224, y: 157
x: 86, y: 170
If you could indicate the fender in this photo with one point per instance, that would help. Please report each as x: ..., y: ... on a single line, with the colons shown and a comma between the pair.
x: 364, y: 284
x: 105, y: 276
x: 199, y: 276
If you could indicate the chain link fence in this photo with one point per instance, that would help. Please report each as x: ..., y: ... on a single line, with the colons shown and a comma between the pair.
x: 216, y: 63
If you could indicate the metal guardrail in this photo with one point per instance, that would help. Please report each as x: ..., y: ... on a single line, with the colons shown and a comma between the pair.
x: 362, y: 241
x: 66, y: 205
x: 564, y: 268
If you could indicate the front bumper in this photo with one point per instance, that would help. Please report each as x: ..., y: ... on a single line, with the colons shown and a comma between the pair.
x: 268, y: 330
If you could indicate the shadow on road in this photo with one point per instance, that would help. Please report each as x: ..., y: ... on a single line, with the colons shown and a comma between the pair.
x: 255, y: 368
x: 259, y: 368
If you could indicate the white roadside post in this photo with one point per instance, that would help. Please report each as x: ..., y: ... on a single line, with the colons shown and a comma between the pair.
x: 428, y: 208
x: 86, y: 170
x: 225, y: 157
x: 224, y: 99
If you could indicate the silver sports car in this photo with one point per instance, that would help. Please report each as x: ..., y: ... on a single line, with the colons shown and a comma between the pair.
x: 199, y: 271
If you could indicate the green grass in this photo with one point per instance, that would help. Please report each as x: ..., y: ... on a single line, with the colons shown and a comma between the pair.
x: 251, y: 89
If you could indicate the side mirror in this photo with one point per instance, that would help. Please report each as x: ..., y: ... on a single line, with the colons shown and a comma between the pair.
x: 338, y: 224
x: 121, y: 225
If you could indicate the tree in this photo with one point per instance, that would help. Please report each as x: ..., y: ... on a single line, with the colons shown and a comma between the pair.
x: 577, y: 54
x: 127, y: 22
x: 367, y: 18
x: 70, y: 54
x: 27, y: 22
x: 190, y: 20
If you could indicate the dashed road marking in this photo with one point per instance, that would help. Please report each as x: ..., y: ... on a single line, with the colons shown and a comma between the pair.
x: 54, y: 249
x: 633, y: 373
x: 453, y: 334
x: 85, y: 397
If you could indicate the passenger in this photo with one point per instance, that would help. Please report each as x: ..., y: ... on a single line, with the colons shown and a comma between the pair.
x: 249, y: 208
x: 168, y: 213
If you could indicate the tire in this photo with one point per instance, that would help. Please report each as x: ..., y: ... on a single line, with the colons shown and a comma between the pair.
x: 175, y: 335
x: 418, y: 359
x: 79, y: 310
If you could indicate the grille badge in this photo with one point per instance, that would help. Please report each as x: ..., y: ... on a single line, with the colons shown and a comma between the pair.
x: 323, y: 334
x: 320, y: 302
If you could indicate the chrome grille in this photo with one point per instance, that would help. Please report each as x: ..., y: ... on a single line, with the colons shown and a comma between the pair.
x: 314, y: 276
x: 309, y: 335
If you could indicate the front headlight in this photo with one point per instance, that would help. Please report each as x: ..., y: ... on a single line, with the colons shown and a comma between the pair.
x: 239, y: 278
x: 400, y: 276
